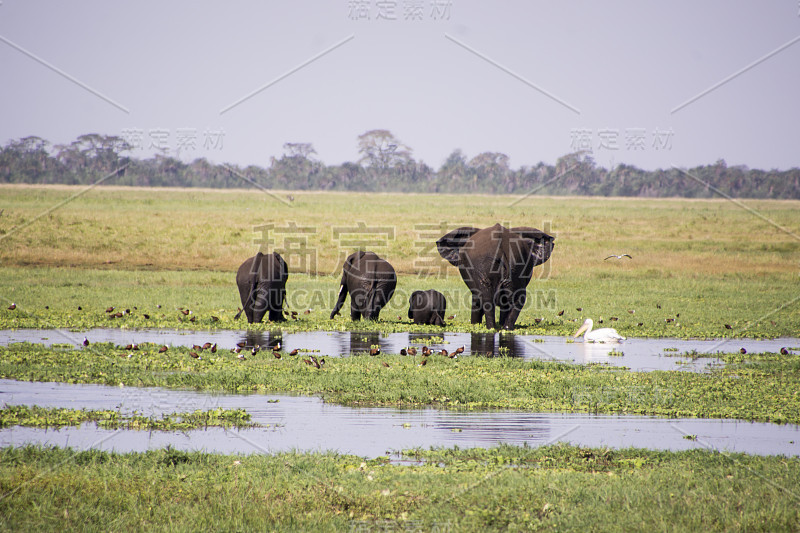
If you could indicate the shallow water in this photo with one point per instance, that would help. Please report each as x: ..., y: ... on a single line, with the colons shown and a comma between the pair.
x: 308, y: 424
x: 638, y: 354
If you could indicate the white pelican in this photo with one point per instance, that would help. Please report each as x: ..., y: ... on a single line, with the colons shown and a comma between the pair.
x: 598, y: 335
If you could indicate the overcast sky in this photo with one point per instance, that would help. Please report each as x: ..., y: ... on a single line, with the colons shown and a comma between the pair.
x: 653, y: 84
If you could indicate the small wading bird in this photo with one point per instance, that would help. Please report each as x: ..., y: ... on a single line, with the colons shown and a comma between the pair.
x: 85, y: 341
x: 12, y: 306
x: 784, y: 351
x: 618, y: 257
x: 163, y: 349
x: 412, y: 351
x: 294, y: 352
x: 598, y: 335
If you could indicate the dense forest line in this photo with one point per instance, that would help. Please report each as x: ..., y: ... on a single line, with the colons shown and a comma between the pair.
x: 386, y: 165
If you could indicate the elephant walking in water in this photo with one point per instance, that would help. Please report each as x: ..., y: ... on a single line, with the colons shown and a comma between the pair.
x: 370, y: 281
x: 262, y: 287
x: 496, y: 263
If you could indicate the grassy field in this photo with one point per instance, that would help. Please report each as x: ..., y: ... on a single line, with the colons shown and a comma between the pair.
x: 554, y: 488
x: 701, y: 263
x: 67, y: 254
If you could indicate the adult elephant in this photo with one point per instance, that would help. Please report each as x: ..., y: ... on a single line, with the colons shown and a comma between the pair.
x: 370, y: 281
x: 427, y: 307
x: 262, y: 287
x: 496, y: 263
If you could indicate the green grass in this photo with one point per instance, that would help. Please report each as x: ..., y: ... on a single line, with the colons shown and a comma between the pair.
x: 557, y: 488
x: 41, y: 417
x: 711, y: 262
x: 762, y: 390
x: 50, y: 297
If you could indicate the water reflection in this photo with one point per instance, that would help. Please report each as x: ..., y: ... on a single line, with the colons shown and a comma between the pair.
x: 636, y: 354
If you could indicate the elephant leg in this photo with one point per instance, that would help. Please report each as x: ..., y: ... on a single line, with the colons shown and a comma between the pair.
x: 504, y: 303
x: 519, y: 299
x: 476, y: 315
x: 355, y: 312
x: 488, y: 306
x: 380, y: 296
x: 260, y: 305
x: 276, y: 299
x: 358, y: 303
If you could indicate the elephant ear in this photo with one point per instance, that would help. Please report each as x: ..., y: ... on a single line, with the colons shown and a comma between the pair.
x: 450, y: 244
x: 255, y: 267
x: 542, y: 243
x: 282, y: 263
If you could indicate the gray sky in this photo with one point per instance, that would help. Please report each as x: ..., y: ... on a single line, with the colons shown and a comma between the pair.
x: 653, y: 84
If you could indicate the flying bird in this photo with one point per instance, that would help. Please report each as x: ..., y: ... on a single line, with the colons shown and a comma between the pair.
x: 617, y: 257
x: 598, y: 335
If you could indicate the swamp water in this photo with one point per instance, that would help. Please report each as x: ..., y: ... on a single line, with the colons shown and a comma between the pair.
x: 637, y: 354
x: 306, y: 423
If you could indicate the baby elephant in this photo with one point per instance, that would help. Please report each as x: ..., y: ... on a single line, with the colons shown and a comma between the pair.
x: 427, y: 307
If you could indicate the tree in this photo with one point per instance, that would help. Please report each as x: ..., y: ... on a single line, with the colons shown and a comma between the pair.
x: 381, y: 150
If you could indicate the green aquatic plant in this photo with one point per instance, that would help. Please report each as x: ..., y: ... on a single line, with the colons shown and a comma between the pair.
x: 42, y: 417
x: 752, y: 387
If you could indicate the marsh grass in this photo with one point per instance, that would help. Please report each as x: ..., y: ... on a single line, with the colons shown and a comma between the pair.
x: 50, y: 298
x: 561, y: 488
x: 43, y: 417
x: 761, y: 389
x: 711, y: 262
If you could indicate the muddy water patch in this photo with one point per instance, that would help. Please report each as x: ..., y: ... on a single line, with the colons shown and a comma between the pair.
x: 638, y: 354
x: 308, y: 424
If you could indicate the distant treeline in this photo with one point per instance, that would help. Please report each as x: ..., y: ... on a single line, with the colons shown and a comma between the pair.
x: 385, y: 165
